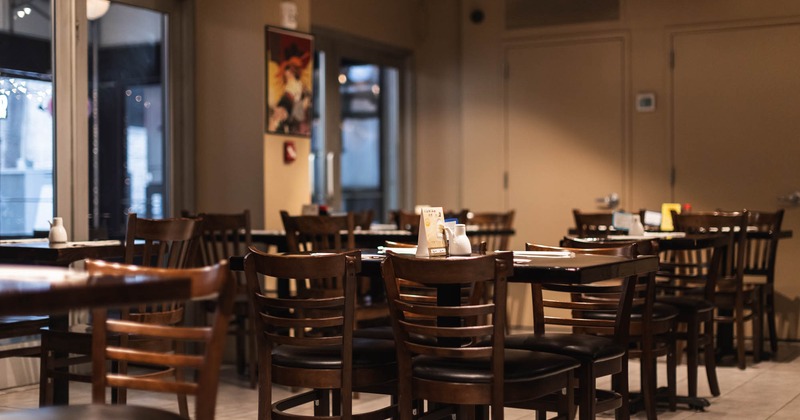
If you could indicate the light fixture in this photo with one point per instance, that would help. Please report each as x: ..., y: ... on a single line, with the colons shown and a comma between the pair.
x: 95, y: 9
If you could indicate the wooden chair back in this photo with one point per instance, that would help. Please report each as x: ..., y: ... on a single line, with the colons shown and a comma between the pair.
x: 496, y: 226
x: 592, y: 225
x: 581, y: 307
x: 213, y: 282
x: 224, y: 236
x: 407, y: 220
x: 442, y: 326
x: 167, y: 243
x: 645, y: 286
x: 318, y: 233
x: 363, y: 219
x: 762, y: 243
x: 303, y: 320
x: 696, y: 266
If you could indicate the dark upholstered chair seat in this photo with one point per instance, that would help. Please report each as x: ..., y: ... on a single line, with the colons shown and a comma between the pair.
x: 661, y: 311
x: 520, y: 365
x: 580, y: 346
x: 366, y: 353
x: 687, y: 303
x: 90, y: 412
x: 382, y: 332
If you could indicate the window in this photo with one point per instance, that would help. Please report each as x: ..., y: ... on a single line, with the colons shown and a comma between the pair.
x: 26, y: 118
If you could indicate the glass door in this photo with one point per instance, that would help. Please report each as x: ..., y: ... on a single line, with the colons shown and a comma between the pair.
x: 129, y: 121
x: 26, y: 118
x: 356, y: 153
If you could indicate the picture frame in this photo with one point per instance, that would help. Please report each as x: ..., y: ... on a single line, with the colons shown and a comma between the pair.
x: 290, y: 82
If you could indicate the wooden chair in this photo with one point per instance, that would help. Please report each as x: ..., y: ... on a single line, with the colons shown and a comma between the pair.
x: 736, y: 302
x: 497, y: 222
x: 21, y: 326
x: 307, y: 341
x: 652, y: 328
x: 592, y: 225
x: 405, y: 220
x: 453, y: 354
x: 164, y: 243
x: 687, y: 280
x: 363, y: 219
x: 410, y: 220
x: 330, y: 233
x: 759, y: 261
x: 111, y: 338
x: 224, y: 236
x: 572, y: 305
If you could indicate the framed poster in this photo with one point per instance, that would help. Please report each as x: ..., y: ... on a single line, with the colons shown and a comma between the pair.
x: 290, y: 75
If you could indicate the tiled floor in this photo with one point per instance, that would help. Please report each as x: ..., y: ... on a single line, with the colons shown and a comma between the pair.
x: 768, y: 390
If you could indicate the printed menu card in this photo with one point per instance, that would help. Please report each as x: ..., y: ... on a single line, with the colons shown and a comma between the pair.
x: 431, y: 237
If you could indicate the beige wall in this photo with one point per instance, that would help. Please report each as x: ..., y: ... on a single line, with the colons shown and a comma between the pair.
x: 647, y: 23
x: 238, y: 166
x: 230, y: 101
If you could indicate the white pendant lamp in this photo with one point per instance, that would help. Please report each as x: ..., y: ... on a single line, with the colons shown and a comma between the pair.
x: 95, y: 9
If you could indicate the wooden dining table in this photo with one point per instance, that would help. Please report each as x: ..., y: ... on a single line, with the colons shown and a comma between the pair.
x: 40, y: 252
x: 364, y: 238
x: 36, y: 290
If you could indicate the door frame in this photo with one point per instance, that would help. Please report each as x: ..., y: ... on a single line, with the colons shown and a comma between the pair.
x: 671, y: 33
x: 338, y: 45
x: 70, y: 76
x: 627, y: 146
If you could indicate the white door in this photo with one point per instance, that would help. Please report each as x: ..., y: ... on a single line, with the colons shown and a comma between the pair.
x: 566, y: 137
x: 735, y: 132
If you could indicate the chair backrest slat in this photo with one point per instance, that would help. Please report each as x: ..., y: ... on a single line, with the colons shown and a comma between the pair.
x: 585, y: 307
x: 213, y: 282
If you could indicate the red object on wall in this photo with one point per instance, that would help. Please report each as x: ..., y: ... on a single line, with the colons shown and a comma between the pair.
x: 289, y: 152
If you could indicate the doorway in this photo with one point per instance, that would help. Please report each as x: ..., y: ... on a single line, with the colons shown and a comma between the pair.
x: 357, y: 158
x: 129, y: 124
x: 734, y: 132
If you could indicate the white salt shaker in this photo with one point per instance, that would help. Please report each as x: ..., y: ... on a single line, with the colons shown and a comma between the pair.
x: 460, y: 245
x: 57, y: 232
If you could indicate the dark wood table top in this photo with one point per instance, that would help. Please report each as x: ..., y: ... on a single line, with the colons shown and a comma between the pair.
x: 577, y: 268
x: 365, y: 238
x: 37, y: 290
x: 41, y: 252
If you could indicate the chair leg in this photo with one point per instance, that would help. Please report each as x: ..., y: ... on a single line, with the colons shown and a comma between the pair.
x: 648, y: 381
x: 241, y: 352
x: 741, y: 353
x: 672, y: 368
x: 45, y: 384
x: 769, y: 306
x: 692, y: 349
x: 620, y: 383
x: 710, y: 360
x: 252, y: 358
x: 758, y: 327
x: 586, y: 392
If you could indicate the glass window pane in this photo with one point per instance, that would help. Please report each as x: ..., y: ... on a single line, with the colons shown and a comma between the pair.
x: 361, y: 154
x: 26, y: 118
x: 128, y: 119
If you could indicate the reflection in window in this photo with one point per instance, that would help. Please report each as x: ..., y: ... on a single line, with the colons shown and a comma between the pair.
x: 361, y: 137
x: 128, y: 123
x: 26, y: 156
x: 26, y: 118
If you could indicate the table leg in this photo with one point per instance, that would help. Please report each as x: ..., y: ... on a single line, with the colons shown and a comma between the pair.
x: 60, y: 383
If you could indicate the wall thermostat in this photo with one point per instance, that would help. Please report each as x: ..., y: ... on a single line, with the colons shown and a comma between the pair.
x: 645, y: 102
